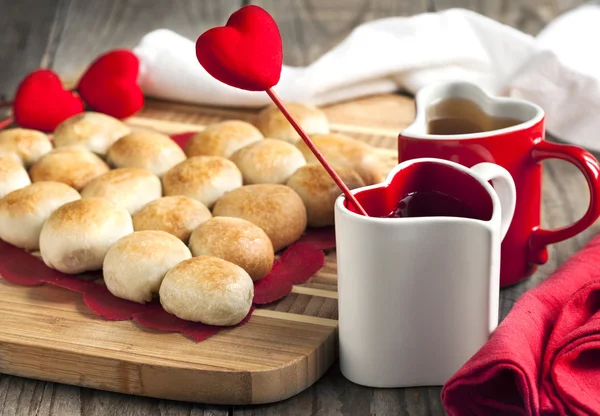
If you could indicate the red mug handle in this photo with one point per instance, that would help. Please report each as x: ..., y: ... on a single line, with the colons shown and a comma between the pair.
x: 589, y: 166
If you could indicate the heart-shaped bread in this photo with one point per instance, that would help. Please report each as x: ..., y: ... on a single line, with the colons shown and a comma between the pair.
x: 41, y: 102
x: 246, y: 53
x: 110, y: 85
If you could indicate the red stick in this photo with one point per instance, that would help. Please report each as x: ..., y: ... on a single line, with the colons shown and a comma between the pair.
x: 6, y: 122
x: 316, y: 152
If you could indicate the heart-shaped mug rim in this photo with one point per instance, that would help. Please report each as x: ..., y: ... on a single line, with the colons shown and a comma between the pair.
x: 495, y: 106
x: 494, y: 218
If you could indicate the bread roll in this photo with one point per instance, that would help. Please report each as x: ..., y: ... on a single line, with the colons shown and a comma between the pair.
x: 345, y: 151
x: 222, y: 139
x: 277, y: 209
x: 208, y: 290
x: 268, y: 161
x: 73, y: 166
x: 132, y: 188
x: 12, y: 175
x: 77, y: 236
x: 204, y: 178
x: 29, y: 145
x: 23, y: 212
x: 90, y: 130
x: 319, y: 192
x: 10, y: 155
x: 237, y: 241
x: 178, y: 215
x: 135, y: 266
x: 148, y: 150
x: 272, y: 123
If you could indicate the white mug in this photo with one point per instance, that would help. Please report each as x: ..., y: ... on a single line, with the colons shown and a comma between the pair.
x: 418, y: 295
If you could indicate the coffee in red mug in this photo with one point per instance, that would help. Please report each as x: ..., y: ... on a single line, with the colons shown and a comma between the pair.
x: 459, y: 122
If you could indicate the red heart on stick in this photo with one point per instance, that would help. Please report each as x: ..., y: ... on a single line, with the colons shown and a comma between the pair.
x: 110, y: 85
x: 41, y: 102
x: 246, y: 53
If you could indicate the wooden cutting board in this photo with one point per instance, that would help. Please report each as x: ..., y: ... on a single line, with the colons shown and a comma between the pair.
x: 48, y: 333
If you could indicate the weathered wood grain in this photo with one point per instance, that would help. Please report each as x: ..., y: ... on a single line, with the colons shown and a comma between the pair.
x: 94, y: 27
x: 528, y: 16
x: 25, y: 397
x: 25, y: 29
x: 310, y: 28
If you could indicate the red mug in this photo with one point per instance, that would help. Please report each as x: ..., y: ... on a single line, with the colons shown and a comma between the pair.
x: 519, y: 148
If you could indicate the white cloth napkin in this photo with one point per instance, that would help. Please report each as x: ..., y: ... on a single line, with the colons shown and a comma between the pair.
x: 559, y: 69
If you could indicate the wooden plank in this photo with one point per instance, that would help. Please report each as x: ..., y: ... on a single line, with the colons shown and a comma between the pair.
x: 311, y: 28
x: 95, y: 27
x: 530, y: 17
x: 27, y: 26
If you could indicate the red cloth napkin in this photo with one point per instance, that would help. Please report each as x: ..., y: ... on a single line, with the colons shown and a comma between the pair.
x: 544, y: 358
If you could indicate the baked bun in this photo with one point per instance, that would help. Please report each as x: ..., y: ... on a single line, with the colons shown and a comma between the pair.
x: 204, y: 178
x: 277, y: 209
x: 237, y: 241
x: 208, y: 290
x: 135, y: 266
x: 73, y: 166
x: 319, y: 192
x: 268, y: 161
x: 345, y: 151
x: 222, y: 139
x: 9, y: 154
x: 178, y: 215
x: 272, y: 123
x: 132, y: 188
x: 90, y: 130
x: 29, y: 145
x: 23, y: 212
x: 77, y: 236
x: 148, y: 150
x: 12, y: 175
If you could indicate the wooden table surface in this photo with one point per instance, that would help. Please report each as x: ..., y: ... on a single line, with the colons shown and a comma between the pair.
x: 67, y: 34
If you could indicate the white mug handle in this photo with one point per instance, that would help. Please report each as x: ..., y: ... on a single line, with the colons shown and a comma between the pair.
x: 504, y: 186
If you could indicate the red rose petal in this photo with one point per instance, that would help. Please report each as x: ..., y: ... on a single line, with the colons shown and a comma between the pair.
x: 322, y: 238
x: 100, y: 300
x: 19, y: 266
x: 182, y: 139
x: 301, y: 262
x: 273, y: 286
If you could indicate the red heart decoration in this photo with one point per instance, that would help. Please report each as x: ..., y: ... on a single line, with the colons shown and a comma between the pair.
x: 110, y: 86
x: 246, y: 53
x: 41, y: 102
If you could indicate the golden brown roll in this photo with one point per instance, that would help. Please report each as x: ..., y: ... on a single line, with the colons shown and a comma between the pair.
x: 345, y: 151
x: 131, y: 188
x: 178, y: 215
x: 268, y: 161
x: 319, y: 192
x: 222, y: 139
x: 29, y: 145
x: 204, y: 178
x: 277, y: 209
x: 272, y: 123
x: 24, y: 211
x: 135, y: 266
x: 93, y: 131
x: 237, y: 241
x: 77, y: 236
x: 209, y: 290
x: 73, y: 166
x: 12, y: 175
x: 148, y: 150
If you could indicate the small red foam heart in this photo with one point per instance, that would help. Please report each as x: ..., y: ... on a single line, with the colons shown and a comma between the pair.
x: 41, y: 102
x: 110, y: 85
x: 246, y: 53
